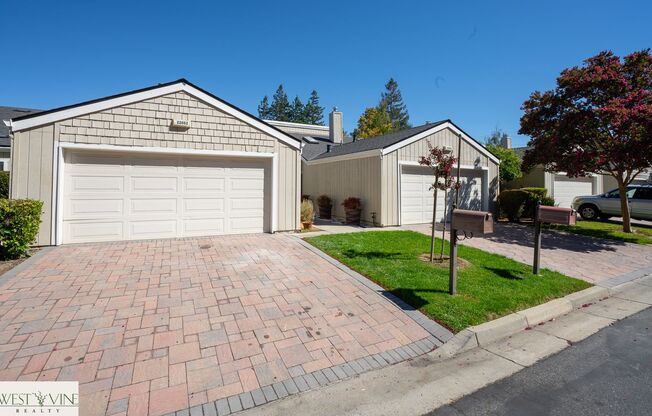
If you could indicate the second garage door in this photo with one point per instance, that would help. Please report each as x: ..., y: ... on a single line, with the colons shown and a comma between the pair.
x: 112, y: 197
x: 565, y: 189
x: 417, y: 198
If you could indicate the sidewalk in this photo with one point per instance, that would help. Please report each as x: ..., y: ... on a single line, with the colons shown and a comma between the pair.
x: 425, y: 383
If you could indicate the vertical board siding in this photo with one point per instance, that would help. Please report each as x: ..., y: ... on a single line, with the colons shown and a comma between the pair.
x: 344, y: 178
x: 411, y: 153
x: 147, y: 124
x: 31, y: 173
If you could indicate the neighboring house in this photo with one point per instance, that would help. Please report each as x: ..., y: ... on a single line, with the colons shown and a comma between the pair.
x: 6, y: 114
x: 562, y: 188
x: 385, y: 174
x: 170, y: 160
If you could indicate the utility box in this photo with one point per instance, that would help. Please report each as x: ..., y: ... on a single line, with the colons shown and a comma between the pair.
x: 474, y: 222
x: 557, y: 215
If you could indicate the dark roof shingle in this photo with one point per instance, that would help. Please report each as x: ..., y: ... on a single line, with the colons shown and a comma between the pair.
x: 379, y: 142
x: 7, y: 113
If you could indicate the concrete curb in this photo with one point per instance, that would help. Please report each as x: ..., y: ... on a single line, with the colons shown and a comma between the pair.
x: 492, y: 331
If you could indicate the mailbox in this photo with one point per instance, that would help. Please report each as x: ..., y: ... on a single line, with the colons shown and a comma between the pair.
x: 475, y: 222
x: 557, y: 215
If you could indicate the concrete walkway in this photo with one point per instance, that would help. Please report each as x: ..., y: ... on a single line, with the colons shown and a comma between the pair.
x: 428, y: 382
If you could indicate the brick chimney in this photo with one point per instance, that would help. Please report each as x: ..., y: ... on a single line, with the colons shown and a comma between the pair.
x: 335, y: 126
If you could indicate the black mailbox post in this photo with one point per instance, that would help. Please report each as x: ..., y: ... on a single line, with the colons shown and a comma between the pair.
x: 468, y: 223
x: 550, y: 215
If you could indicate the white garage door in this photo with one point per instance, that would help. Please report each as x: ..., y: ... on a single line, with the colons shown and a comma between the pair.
x: 417, y: 198
x: 112, y: 197
x: 565, y: 189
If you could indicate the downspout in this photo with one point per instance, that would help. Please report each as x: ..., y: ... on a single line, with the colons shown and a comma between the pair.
x: 11, y: 154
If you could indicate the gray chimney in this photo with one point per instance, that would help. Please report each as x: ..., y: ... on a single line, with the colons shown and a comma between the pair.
x: 506, y: 142
x: 335, y: 126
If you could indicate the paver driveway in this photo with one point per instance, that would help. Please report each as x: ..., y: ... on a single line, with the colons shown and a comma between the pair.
x: 158, y: 326
x: 593, y: 259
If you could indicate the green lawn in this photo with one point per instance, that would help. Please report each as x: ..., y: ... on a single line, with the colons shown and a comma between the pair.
x: 608, y: 230
x: 490, y: 287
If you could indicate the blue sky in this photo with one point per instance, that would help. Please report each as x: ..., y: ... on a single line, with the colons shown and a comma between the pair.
x: 473, y: 62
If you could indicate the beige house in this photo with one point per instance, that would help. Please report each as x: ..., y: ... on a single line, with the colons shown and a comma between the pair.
x: 385, y: 174
x: 171, y: 160
x: 564, y: 189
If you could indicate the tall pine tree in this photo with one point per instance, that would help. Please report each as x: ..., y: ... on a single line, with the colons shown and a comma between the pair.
x: 313, y: 112
x: 392, y: 102
x: 263, y: 109
x: 297, y: 111
x: 280, y: 108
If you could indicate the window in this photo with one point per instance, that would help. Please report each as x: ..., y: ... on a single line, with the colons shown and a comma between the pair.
x: 616, y: 194
x: 2, y: 165
x: 643, y: 193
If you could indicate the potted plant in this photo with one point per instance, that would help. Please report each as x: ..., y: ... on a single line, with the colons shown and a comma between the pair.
x: 325, y: 206
x: 307, y: 212
x: 353, y: 208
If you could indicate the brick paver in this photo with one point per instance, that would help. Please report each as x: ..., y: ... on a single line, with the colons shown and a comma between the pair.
x: 592, y: 259
x: 152, y: 327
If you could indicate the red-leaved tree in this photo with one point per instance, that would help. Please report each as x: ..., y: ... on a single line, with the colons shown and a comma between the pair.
x: 441, y: 161
x: 597, y: 120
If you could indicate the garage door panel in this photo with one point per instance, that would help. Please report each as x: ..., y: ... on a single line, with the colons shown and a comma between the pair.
x: 96, y: 184
x: 82, y: 232
x: 140, y: 230
x: 565, y: 189
x: 152, y: 206
x: 153, y: 184
x: 194, y: 197
x: 202, y: 184
x: 93, y: 208
x: 196, y: 227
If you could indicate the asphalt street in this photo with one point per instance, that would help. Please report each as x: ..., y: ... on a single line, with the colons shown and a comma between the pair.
x: 609, y: 373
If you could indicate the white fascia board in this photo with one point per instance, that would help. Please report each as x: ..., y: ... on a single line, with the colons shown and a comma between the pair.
x: 291, y: 124
x: 145, y: 95
x: 349, y: 156
x: 436, y: 129
x: 163, y: 150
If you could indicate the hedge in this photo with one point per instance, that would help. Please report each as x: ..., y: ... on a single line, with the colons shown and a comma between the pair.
x: 4, y: 184
x: 520, y: 203
x: 19, y: 225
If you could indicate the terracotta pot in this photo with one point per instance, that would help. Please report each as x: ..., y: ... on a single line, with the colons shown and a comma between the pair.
x: 325, y: 211
x: 353, y: 216
x: 306, y: 225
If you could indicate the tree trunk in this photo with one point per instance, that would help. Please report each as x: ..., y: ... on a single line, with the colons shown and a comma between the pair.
x: 624, y: 205
x: 434, y: 219
x: 443, y: 233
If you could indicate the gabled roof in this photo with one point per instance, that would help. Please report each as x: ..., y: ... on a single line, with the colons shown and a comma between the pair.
x: 75, y: 110
x: 390, y: 142
x: 7, y: 113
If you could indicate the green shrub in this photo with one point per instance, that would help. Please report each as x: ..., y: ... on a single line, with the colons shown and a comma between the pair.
x: 520, y: 203
x: 20, y: 220
x: 4, y: 184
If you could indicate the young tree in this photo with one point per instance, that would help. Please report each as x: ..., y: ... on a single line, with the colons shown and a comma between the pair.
x: 313, y: 112
x: 297, y: 111
x: 391, y: 101
x: 280, y: 108
x: 263, y: 109
x: 598, y: 119
x: 510, y: 163
x: 441, y: 162
x: 373, y: 122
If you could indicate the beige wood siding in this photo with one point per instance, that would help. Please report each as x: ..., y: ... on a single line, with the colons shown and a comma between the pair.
x: 32, y: 173
x: 341, y: 179
x: 411, y: 153
x: 147, y: 124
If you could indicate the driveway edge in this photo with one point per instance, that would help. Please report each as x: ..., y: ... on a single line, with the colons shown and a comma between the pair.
x: 4, y: 278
